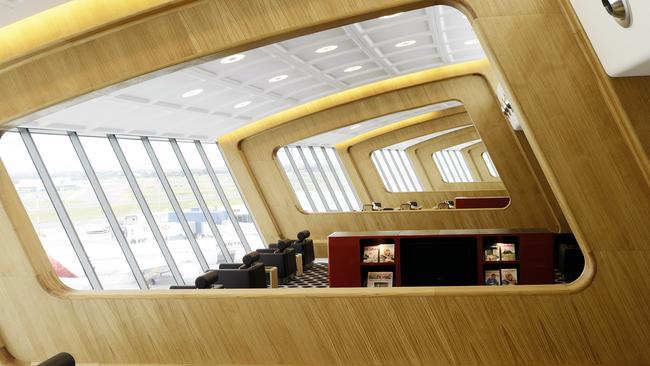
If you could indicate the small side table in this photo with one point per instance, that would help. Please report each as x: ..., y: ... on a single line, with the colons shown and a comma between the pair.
x: 273, y: 276
x: 298, y: 264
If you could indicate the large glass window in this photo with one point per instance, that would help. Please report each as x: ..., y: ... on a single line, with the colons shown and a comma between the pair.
x: 166, y: 218
x: 42, y: 214
x: 316, y: 176
x: 490, y: 165
x: 234, y: 196
x: 302, y: 171
x: 335, y: 164
x: 225, y: 227
x: 128, y: 213
x: 84, y: 210
x: 452, y: 166
x: 395, y: 170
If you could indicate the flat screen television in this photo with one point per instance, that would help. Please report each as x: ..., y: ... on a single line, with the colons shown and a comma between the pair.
x: 438, y: 261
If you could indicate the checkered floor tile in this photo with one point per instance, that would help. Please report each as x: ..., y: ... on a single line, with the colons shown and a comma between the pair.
x: 315, y: 277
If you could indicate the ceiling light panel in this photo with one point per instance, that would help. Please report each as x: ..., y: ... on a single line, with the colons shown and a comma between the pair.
x: 308, y: 54
x: 315, y: 40
x: 354, y: 56
x: 363, y: 78
x: 422, y: 40
x: 232, y: 58
x: 219, y: 69
x: 339, y: 73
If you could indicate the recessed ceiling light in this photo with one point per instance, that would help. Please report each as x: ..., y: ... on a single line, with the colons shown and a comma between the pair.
x: 325, y: 49
x: 277, y: 78
x: 391, y: 16
x: 191, y: 93
x: 242, y: 104
x: 405, y: 43
x: 471, y: 42
x: 353, y: 68
x: 355, y: 127
x: 232, y: 58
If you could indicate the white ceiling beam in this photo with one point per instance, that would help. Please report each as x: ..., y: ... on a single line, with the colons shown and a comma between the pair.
x: 354, y: 32
x: 233, y: 84
x: 278, y: 51
x: 436, y: 30
x: 313, y: 43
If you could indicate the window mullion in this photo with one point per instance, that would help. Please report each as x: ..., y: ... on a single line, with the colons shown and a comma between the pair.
x: 200, y: 200
x: 312, y: 176
x: 174, y: 202
x: 327, y: 183
x: 146, y: 210
x: 108, y: 211
x: 401, y: 171
x: 222, y: 196
x: 336, y: 178
x: 300, y: 180
x: 389, y: 172
x: 375, y: 158
x: 409, y: 169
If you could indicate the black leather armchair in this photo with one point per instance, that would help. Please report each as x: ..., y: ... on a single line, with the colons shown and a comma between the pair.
x: 250, y: 274
x: 61, y: 359
x: 305, y: 246
x: 282, y: 256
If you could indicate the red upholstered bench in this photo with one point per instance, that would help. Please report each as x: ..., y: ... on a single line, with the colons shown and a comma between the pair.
x: 481, y: 202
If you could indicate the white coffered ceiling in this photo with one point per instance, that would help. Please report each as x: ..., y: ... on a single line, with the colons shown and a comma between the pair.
x: 272, y: 78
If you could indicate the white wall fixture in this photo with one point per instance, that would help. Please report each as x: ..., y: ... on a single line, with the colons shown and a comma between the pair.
x: 619, y: 31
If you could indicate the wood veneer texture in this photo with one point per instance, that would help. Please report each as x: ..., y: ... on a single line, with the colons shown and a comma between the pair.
x: 475, y: 154
x: 423, y: 154
x: 258, y: 172
x: 586, y: 143
x: 356, y: 153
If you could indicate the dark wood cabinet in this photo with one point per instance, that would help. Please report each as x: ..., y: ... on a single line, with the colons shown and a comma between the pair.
x: 440, y: 257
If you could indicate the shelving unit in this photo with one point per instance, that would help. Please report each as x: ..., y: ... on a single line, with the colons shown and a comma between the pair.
x: 428, y: 258
x: 379, y: 266
x: 489, y: 241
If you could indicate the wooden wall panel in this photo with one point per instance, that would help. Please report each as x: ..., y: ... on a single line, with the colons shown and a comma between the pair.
x: 394, y: 133
x: 588, y: 146
x: 355, y: 155
x: 424, y: 150
x: 258, y: 173
x: 475, y: 154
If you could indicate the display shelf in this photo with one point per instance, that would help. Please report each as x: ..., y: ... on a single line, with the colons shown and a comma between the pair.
x: 440, y: 257
x: 501, y: 262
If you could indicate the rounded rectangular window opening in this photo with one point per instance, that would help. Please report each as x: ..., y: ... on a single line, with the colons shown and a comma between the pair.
x: 315, y: 173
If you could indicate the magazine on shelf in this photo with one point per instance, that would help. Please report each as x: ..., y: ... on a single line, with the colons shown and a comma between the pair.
x: 371, y: 254
x: 509, y: 276
x: 508, y: 252
x: 380, y: 279
x: 387, y: 253
x: 493, y: 277
x: 492, y: 254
